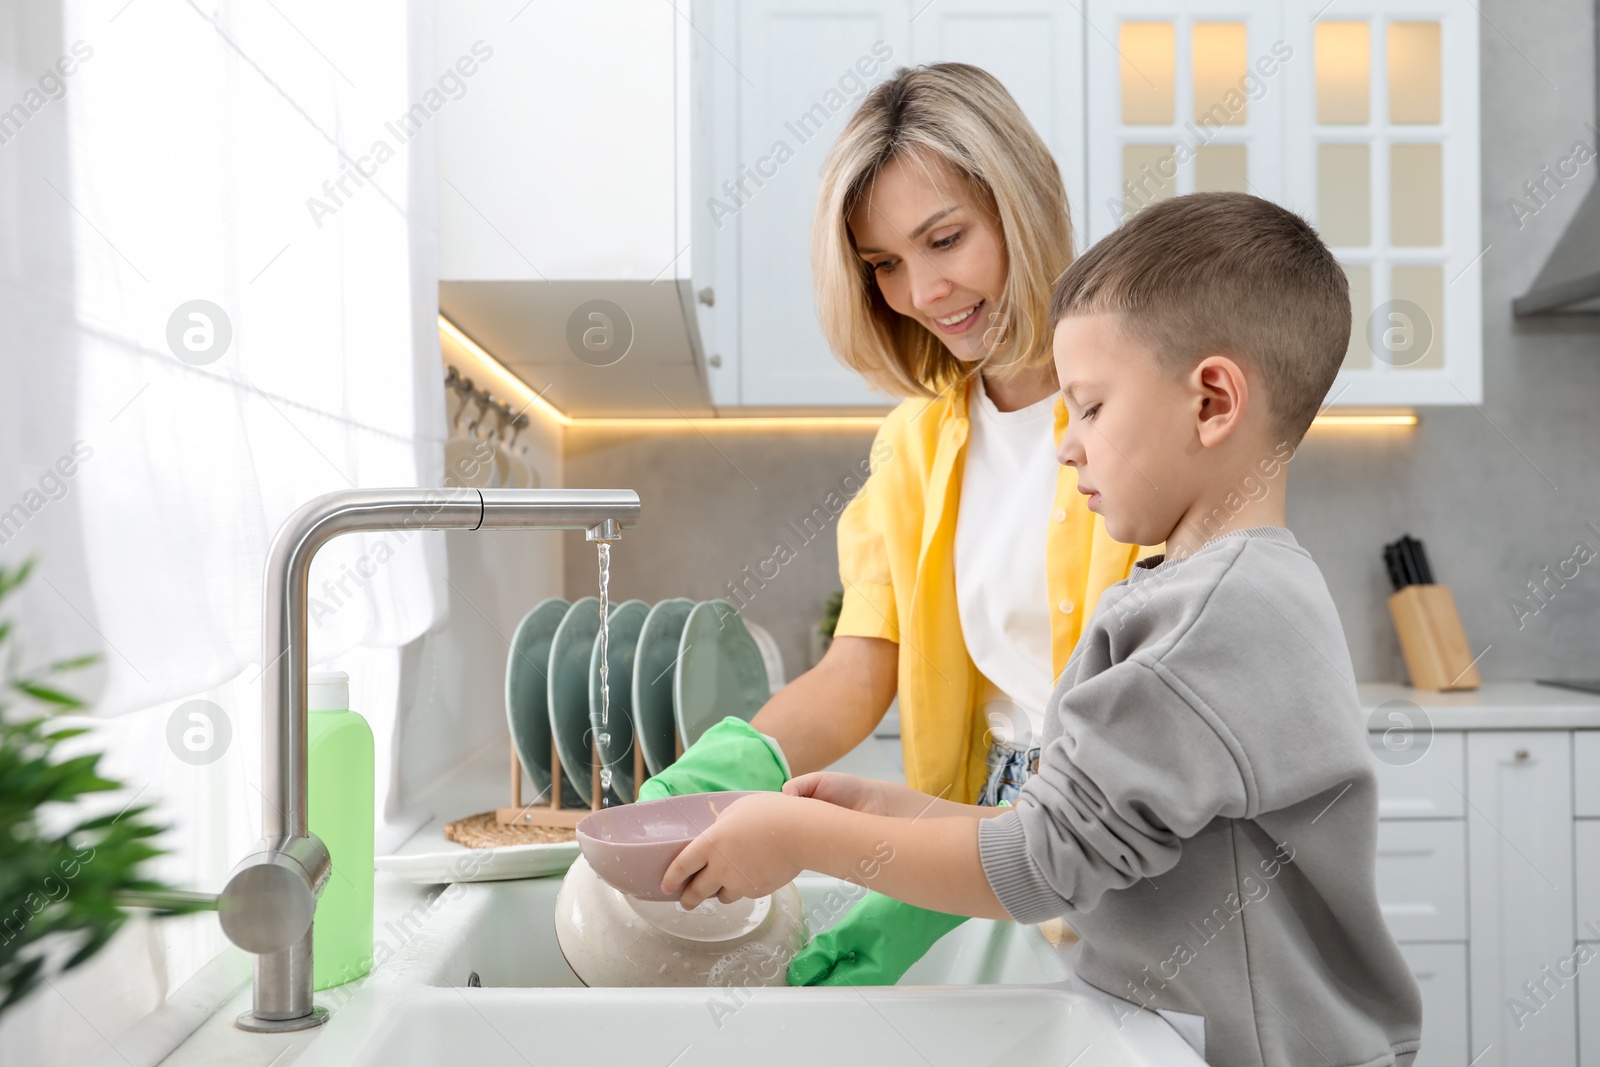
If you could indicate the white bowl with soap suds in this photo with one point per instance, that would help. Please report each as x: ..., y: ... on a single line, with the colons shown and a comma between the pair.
x: 612, y: 939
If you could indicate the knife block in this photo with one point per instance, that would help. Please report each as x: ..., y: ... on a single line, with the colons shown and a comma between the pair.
x: 1431, y: 638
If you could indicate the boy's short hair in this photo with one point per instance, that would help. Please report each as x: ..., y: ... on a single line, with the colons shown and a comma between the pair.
x: 1223, y: 272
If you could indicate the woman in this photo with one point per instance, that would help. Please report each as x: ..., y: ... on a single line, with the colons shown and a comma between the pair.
x: 969, y: 560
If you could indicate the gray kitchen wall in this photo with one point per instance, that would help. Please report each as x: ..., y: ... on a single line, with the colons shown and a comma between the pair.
x: 1502, y: 491
x: 1496, y: 492
x: 713, y: 509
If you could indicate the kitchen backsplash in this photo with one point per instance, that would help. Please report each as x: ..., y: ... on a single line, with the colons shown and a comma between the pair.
x: 744, y: 516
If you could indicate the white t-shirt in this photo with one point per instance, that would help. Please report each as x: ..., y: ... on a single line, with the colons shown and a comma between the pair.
x: 1008, y: 489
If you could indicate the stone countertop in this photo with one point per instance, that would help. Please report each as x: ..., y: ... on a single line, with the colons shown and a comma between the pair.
x: 1521, y: 705
x: 1493, y: 706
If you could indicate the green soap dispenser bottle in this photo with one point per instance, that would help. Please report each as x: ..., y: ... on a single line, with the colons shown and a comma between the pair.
x: 339, y: 754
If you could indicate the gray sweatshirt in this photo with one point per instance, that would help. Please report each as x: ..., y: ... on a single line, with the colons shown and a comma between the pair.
x: 1205, y: 813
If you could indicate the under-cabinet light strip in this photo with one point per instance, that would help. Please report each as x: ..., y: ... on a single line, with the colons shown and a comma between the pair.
x: 508, y: 383
x: 1394, y: 418
x: 511, y: 385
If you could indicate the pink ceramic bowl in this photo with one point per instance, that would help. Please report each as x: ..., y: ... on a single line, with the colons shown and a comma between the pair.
x: 631, y: 846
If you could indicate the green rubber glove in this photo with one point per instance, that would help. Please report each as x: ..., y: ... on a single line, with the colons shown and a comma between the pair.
x: 874, y: 945
x: 731, y: 755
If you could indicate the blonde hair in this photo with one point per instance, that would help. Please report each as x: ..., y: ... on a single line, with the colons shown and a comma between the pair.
x: 1223, y: 273
x: 963, y: 115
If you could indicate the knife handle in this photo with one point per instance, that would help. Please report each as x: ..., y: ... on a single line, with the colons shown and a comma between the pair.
x: 1422, y: 562
x: 1393, y: 565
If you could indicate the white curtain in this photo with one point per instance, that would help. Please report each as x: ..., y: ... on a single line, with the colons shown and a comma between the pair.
x: 168, y: 152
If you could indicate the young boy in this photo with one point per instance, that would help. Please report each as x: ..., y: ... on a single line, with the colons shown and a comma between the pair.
x: 1204, y: 812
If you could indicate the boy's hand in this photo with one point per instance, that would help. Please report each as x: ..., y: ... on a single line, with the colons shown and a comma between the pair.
x: 751, y: 850
x: 842, y: 790
x: 872, y: 796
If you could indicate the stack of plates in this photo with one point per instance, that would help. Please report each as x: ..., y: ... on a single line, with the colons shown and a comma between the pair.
x: 675, y: 669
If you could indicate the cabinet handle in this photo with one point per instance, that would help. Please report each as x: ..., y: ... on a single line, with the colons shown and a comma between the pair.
x: 1520, y: 755
x: 707, y: 296
x: 715, y: 360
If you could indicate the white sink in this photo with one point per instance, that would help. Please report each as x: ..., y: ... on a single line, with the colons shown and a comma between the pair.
x: 988, y: 993
x: 777, y: 1027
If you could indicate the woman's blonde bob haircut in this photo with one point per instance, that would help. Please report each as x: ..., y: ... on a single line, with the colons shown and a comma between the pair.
x: 964, y: 116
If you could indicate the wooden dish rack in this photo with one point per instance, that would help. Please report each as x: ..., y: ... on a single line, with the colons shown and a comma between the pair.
x: 553, y: 814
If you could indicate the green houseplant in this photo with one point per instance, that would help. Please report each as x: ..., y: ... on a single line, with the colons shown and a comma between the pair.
x: 60, y: 880
x: 822, y: 633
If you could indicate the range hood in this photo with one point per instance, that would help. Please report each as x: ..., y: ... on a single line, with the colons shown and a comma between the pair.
x: 1569, y: 282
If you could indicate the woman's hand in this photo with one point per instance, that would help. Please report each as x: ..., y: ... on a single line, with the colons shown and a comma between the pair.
x: 752, y: 849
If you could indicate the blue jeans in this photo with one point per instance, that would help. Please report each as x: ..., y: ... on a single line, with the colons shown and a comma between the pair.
x: 1008, y: 769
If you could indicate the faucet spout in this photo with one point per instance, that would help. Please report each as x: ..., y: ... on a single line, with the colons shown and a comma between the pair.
x: 272, y: 892
x: 604, y: 531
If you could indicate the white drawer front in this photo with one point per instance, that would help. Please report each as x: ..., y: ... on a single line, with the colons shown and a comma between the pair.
x: 1588, y: 1009
x: 1586, y: 773
x: 1425, y: 785
x: 1422, y: 879
x: 1586, y: 868
x: 1441, y: 973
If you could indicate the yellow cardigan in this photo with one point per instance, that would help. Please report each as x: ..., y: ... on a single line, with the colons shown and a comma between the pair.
x: 897, y: 563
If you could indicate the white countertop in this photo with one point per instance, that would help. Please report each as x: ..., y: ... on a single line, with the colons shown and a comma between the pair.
x: 1493, y: 706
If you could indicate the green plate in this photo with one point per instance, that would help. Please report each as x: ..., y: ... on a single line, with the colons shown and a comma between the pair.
x: 654, y: 671
x: 617, y: 753
x: 568, y: 673
x: 720, y: 671
x: 528, y: 693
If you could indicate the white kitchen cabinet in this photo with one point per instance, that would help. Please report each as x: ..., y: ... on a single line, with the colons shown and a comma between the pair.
x: 535, y: 187
x: 1172, y: 106
x: 1586, y: 851
x: 692, y: 147
x: 1422, y: 871
x: 1589, y: 1009
x: 1509, y: 769
x: 1382, y: 143
x: 1586, y: 841
x: 1441, y: 973
x: 1035, y: 48
x: 782, y: 60
x: 797, y: 69
x: 1364, y: 119
x: 1520, y: 846
x: 1586, y: 773
x: 572, y: 167
x: 1429, y: 785
x: 1422, y: 879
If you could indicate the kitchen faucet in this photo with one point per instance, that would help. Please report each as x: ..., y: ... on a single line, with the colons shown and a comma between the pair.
x: 270, y: 897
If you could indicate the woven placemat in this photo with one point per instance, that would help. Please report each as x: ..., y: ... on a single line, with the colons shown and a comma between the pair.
x: 1058, y: 932
x: 483, y: 831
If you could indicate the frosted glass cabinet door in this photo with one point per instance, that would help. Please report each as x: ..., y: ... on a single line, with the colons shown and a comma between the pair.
x: 1519, y: 843
x: 1381, y: 146
x: 1183, y: 97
